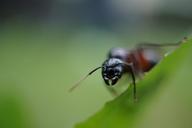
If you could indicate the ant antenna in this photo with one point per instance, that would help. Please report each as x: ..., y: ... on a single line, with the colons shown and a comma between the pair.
x: 82, y: 79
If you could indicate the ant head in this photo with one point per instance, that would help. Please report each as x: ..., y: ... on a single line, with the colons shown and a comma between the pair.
x: 112, y: 70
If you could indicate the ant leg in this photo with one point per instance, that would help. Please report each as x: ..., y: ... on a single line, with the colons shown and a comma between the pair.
x: 133, y: 80
x: 133, y: 73
x: 152, y: 45
x: 162, y: 49
x: 134, y: 84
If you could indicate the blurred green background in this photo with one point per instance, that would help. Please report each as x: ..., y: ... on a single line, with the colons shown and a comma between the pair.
x: 46, y: 46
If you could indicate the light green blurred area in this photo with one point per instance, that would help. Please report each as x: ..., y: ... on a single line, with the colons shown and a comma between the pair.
x: 37, y: 67
x: 37, y: 70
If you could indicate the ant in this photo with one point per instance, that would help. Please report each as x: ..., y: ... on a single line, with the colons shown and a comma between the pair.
x: 135, y: 62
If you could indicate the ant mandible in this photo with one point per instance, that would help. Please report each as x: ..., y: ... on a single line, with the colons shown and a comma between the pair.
x: 134, y: 62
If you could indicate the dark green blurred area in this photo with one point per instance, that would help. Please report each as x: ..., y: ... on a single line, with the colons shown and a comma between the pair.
x: 46, y: 46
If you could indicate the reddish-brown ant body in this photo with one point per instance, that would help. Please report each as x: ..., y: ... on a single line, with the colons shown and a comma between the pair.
x: 134, y: 62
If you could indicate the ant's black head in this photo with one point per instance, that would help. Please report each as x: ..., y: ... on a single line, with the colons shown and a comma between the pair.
x: 112, y: 70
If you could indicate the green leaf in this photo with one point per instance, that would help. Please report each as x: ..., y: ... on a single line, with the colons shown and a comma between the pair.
x: 164, y: 98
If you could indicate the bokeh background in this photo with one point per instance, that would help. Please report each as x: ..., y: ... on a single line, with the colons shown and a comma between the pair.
x: 47, y: 45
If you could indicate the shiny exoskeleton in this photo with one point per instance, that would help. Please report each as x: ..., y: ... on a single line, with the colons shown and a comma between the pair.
x: 122, y: 61
x: 133, y: 62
